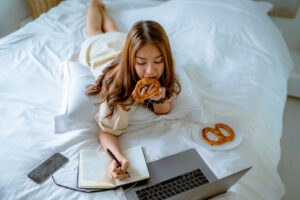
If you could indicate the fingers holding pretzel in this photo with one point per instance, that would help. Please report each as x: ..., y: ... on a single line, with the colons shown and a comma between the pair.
x: 160, y: 95
x: 146, y: 88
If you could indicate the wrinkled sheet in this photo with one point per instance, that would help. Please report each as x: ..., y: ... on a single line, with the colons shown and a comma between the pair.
x: 232, y: 64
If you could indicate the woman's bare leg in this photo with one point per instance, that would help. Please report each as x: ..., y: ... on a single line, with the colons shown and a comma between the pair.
x: 109, y: 24
x: 98, y: 21
x: 94, y: 18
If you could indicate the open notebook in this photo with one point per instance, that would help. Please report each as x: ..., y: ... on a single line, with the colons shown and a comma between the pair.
x: 93, y: 168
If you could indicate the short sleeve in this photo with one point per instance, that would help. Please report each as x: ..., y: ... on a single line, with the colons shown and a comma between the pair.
x: 115, y: 125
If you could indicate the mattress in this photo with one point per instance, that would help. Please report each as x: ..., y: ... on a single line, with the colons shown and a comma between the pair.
x: 233, y: 66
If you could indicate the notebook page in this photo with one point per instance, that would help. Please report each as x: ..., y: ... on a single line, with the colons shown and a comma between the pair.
x: 93, y: 169
x: 138, y: 169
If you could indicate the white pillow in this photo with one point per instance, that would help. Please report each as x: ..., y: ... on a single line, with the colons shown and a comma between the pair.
x: 78, y: 110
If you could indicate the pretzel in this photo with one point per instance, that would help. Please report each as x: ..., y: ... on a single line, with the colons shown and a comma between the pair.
x: 142, y: 83
x: 221, y: 137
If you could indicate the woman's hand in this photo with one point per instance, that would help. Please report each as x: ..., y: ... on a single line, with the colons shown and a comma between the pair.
x: 161, y: 93
x: 116, y: 172
x: 159, y: 108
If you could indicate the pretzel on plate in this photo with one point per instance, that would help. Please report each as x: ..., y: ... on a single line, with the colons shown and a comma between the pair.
x: 221, y: 137
x: 136, y: 94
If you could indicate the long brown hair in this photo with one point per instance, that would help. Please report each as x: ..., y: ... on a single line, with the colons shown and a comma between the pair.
x: 118, y: 79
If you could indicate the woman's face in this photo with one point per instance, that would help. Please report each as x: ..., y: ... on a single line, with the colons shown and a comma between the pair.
x: 149, y: 62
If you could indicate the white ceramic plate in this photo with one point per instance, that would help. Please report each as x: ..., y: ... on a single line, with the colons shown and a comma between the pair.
x: 197, y: 137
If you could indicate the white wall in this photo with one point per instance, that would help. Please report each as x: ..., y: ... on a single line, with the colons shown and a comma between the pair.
x: 12, y: 12
x: 290, y: 29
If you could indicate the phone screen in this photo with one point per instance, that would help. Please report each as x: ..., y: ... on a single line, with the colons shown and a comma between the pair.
x: 48, y: 167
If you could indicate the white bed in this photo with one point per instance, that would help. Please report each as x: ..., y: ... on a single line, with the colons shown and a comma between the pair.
x: 233, y: 66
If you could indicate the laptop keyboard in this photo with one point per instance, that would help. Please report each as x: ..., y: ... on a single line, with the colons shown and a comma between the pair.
x: 173, y: 186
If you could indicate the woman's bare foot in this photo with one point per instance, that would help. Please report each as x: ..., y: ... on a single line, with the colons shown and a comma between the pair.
x: 101, y: 6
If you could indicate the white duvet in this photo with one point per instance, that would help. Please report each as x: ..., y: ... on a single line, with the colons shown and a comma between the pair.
x: 233, y: 66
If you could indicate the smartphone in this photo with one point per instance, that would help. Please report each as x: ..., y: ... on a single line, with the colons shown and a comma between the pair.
x: 47, y: 168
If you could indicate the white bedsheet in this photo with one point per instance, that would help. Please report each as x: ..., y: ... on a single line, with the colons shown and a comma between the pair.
x: 232, y: 63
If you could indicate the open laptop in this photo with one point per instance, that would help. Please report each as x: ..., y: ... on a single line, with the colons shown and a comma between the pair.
x: 181, y: 176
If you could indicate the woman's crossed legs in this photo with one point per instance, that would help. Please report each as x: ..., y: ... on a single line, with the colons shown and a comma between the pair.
x: 98, y: 21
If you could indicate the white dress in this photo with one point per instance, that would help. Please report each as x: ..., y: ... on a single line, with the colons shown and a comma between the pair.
x: 97, y: 52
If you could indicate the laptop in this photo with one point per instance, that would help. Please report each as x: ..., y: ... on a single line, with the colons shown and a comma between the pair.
x: 182, y: 176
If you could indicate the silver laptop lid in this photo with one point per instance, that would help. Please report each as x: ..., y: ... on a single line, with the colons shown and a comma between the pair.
x: 179, y: 164
x: 170, y: 167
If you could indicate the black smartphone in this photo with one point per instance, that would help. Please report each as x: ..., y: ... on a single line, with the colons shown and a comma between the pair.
x: 47, y: 168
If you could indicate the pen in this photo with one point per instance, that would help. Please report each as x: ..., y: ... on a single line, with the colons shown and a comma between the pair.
x: 114, y: 158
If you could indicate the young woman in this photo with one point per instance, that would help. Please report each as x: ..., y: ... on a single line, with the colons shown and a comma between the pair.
x: 118, y: 62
